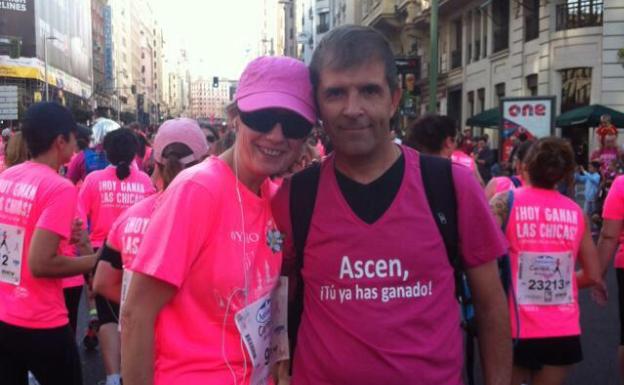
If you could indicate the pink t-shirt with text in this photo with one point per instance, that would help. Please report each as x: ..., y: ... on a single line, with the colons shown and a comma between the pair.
x: 197, y: 243
x: 103, y: 197
x: 379, y: 305
x: 614, y: 210
x: 126, y: 234
x: 544, y: 231
x: 33, y: 196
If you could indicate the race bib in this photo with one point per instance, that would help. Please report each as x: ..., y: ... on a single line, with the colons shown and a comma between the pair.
x: 545, y: 278
x: 262, y: 326
x: 11, y: 246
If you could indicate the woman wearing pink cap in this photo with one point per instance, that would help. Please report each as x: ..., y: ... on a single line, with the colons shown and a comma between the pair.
x: 198, y: 306
x: 547, y: 234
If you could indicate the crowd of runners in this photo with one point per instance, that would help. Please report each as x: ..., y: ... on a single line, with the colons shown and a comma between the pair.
x: 300, y: 244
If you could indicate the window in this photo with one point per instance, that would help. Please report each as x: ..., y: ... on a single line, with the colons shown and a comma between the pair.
x: 575, y: 88
x: 531, y: 19
x: 500, y: 23
x: 323, y: 25
x: 579, y: 14
x: 456, y: 55
x: 481, y: 97
x: 471, y: 105
x: 499, y: 91
x: 531, y: 82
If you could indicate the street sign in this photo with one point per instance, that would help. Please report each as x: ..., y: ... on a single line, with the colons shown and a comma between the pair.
x: 8, y: 102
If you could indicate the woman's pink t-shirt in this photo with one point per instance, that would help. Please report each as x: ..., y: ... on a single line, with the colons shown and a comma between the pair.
x: 103, y: 197
x: 33, y: 196
x: 197, y: 241
x: 70, y: 250
x: 126, y: 234
x: 544, y: 231
x: 460, y: 157
x: 614, y: 210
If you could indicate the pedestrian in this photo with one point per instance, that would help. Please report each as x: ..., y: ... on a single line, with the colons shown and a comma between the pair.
x: 437, y: 135
x: 378, y: 289
x: 505, y: 183
x: 485, y: 158
x: 35, y: 334
x: 16, y: 151
x: 547, y: 234
x: 103, y: 196
x: 591, y: 179
x: 179, y: 144
x: 212, y: 253
x: 610, y: 246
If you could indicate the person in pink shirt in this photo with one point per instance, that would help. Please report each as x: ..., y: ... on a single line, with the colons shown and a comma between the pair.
x: 436, y: 135
x: 36, y: 214
x: 505, y: 183
x: 610, y: 245
x: 378, y: 292
x: 103, y: 196
x: 179, y: 144
x: 198, y: 308
x: 548, y: 234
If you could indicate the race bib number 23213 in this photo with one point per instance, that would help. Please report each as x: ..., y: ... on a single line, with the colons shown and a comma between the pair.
x: 11, y: 246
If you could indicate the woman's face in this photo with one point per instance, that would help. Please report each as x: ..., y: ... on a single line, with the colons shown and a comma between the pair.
x: 265, y: 154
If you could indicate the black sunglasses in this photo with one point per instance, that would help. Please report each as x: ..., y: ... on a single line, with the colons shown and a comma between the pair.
x: 294, y: 126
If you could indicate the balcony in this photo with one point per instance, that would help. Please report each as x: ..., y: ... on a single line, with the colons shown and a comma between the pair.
x: 579, y: 14
x: 380, y: 14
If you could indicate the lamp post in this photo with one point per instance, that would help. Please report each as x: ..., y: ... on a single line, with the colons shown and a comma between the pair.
x: 45, y: 61
x: 433, y: 66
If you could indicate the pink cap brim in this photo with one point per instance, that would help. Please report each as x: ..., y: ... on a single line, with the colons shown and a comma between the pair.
x: 264, y: 100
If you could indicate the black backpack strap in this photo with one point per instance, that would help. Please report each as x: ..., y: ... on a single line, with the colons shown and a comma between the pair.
x: 437, y: 176
x: 303, y: 190
x: 516, y: 181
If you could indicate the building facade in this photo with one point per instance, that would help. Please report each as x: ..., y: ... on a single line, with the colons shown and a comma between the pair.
x: 209, y: 99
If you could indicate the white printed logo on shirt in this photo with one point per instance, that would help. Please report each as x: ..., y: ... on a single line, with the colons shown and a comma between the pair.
x: 545, y: 278
x: 11, y: 246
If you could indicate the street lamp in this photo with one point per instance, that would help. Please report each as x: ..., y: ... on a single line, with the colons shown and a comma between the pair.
x: 45, y: 60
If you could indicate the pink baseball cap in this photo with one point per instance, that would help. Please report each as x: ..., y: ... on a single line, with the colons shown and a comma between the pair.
x: 276, y: 82
x: 181, y: 130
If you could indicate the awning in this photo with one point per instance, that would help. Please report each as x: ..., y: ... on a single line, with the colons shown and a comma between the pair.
x: 487, y: 118
x: 590, y: 116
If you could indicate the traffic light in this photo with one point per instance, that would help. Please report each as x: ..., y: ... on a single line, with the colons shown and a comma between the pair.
x: 215, y: 81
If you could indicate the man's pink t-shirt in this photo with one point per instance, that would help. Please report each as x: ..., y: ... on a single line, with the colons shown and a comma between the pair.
x: 103, y: 197
x: 379, y: 304
x: 126, y: 234
x: 33, y: 196
x: 196, y: 241
x: 544, y: 231
x: 460, y: 157
x: 614, y: 210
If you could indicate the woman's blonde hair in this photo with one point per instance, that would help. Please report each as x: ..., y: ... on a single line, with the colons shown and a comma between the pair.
x: 16, y: 151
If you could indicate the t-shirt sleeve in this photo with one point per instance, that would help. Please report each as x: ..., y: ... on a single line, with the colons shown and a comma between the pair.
x: 114, y: 235
x: 58, y: 211
x: 614, y: 204
x: 76, y: 169
x: 480, y: 238
x: 178, y: 230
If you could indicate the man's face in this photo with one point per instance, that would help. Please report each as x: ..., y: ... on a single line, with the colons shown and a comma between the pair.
x: 356, y: 106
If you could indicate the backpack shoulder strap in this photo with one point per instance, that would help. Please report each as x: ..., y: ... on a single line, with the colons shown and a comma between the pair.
x: 303, y: 190
x: 516, y: 181
x: 437, y: 176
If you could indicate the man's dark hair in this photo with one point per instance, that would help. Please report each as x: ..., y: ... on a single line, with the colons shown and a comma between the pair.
x: 428, y: 133
x: 351, y: 46
x: 43, y: 122
x: 83, y: 137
